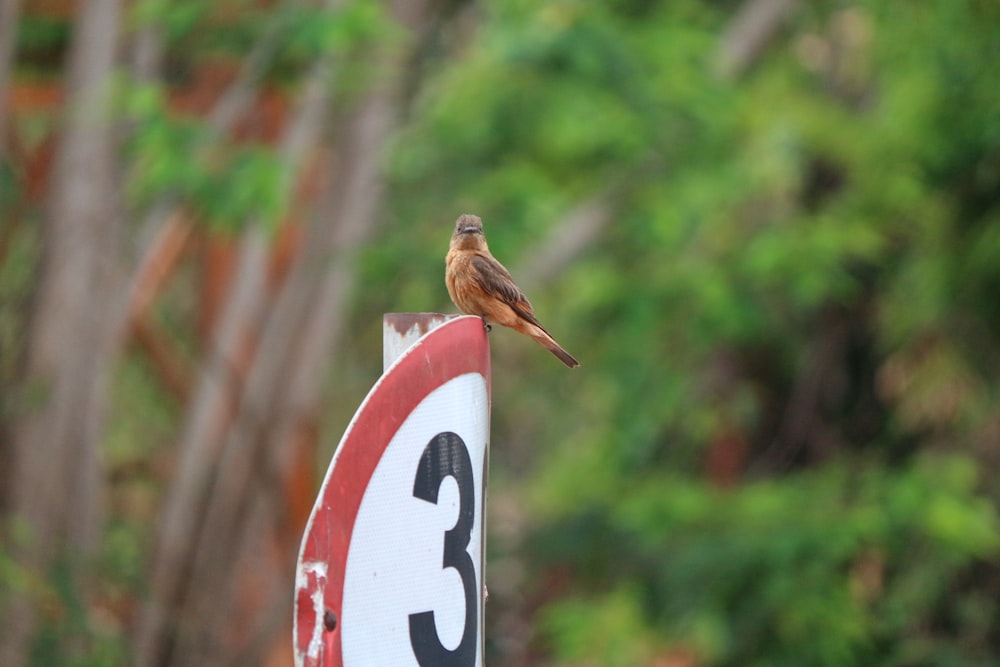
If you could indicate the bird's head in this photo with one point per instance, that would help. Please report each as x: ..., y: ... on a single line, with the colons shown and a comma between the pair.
x: 468, y: 232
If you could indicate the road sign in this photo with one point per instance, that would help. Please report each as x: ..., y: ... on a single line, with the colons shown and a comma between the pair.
x: 390, y: 570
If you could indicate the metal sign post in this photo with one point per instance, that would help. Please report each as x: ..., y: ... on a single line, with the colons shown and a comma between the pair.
x: 390, y: 570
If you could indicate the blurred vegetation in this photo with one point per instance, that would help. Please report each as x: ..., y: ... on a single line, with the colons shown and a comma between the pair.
x: 802, y: 266
x: 783, y: 445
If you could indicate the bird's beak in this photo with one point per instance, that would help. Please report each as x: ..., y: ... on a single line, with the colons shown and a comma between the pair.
x: 468, y: 230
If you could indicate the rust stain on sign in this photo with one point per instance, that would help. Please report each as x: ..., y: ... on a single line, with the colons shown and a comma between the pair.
x: 405, y: 323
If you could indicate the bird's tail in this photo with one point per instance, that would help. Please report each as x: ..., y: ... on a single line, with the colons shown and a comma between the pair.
x: 549, y: 343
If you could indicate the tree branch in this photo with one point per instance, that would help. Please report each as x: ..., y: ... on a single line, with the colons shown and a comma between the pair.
x: 748, y: 33
x: 566, y: 241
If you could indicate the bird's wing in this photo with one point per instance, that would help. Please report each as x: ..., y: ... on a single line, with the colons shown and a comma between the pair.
x: 496, y: 280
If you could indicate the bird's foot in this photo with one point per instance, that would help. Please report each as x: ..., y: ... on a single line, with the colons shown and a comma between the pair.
x: 486, y: 324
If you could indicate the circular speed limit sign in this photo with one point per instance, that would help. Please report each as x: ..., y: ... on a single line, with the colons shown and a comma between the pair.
x: 391, y: 566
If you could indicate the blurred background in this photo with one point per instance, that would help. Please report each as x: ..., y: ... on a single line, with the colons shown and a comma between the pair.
x: 769, y: 230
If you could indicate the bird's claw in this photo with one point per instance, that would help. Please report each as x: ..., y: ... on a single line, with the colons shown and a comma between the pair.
x: 485, y: 323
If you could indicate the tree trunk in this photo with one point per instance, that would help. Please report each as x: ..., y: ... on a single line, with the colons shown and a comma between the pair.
x: 9, y: 10
x: 56, y: 472
x: 228, y: 528
x: 216, y: 394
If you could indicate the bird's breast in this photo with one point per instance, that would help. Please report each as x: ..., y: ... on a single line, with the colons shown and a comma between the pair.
x: 463, y: 288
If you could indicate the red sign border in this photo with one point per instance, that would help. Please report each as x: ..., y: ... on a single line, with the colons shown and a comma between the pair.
x: 455, y: 348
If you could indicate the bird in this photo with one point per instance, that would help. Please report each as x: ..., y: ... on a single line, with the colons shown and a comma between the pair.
x: 480, y: 285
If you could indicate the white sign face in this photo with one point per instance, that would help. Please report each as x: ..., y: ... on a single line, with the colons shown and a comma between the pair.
x: 413, y: 580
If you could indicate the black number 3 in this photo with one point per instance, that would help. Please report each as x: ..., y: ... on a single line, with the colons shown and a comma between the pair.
x: 447, y: 456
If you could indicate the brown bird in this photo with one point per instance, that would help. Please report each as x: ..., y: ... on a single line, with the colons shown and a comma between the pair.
x: 480, y: 285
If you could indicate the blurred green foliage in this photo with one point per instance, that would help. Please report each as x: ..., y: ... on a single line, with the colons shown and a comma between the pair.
x: 226, y: 181
x: 830, y: 567
x: 802, y: 259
